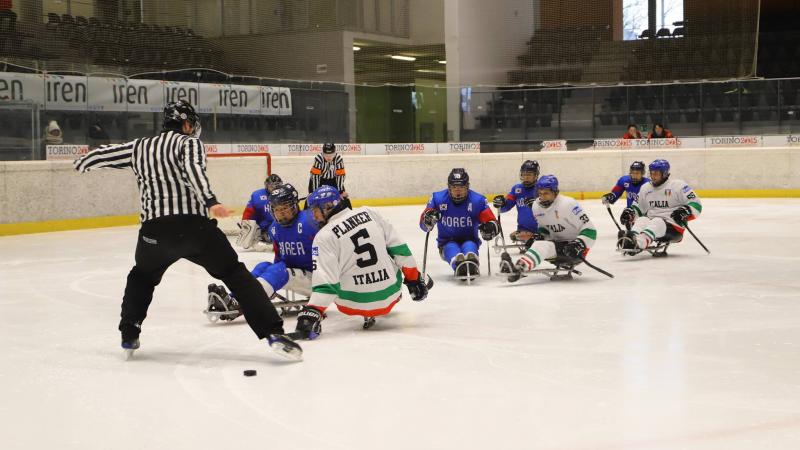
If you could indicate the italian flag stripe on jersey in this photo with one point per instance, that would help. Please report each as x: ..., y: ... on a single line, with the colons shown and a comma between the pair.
x: 696, y: 206
x: 361, y: 297
x: 589, y: 233
x: 399, y: 250
x: 638, y: 211
x: 535, y: 255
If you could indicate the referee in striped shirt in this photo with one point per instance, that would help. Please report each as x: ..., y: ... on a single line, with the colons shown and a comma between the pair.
x: 176, y: 198
x: 328, y: 170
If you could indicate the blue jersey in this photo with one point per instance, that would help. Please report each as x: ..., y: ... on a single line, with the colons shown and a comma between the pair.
x: 292, y: 243
x: 258, y: 209
x: 625, y: 184
x: 516, y: 197
x: 460, y: 222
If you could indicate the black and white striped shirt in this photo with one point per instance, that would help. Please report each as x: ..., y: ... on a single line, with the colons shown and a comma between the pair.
x: 170, y: 170
x: 329, y: 171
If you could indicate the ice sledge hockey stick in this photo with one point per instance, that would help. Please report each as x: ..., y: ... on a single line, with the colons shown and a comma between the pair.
x: 425, y: 255
x: 596, y: 268
x: 608, y: 208
x: 695, y: 238
x: 502, y: 238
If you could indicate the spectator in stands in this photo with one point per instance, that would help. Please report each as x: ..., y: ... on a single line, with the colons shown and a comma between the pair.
x: 632, y: 133
x: 52, y: 134
x: 659, y: 132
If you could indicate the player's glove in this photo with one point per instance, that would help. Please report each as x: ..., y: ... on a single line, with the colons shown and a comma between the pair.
x: 529, y: 201
x: 430, y: 218
x: 248, y: 235
x: 574, y: 248
x: 681, y: 214
x: 417, y: 289
x: 609, y: 199
x: 499, y: 201
x: 628, y: 217
x: 488, y: 230
x: 309, y: 322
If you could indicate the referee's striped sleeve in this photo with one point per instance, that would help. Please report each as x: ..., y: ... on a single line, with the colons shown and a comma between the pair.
x: 108, y: 156
x: 316, y: 171
x: 339, y: 172
x: 195, y: 166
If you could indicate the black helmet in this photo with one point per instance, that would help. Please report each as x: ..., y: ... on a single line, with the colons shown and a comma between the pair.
x: 284, y: 194
x: 272, y: 182
x: 458, y: 177
x: 637, y: 165
x: 328, y: 148
x: 529, y: 166
x: 174, y: 115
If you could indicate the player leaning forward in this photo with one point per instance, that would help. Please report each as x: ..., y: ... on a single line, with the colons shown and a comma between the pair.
x: 565, y: 229
x: 360, y: 264
x: 661, y: 211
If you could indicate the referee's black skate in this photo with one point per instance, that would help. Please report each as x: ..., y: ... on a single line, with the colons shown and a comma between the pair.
x: 285, y: 347
x: 129, y: 346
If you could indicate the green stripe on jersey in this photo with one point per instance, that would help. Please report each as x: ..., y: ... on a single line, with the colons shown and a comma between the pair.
x: 638, y: 211
x: 697, y: 206
x: 361, y: 297
x: 543, y: 230
x: 590, y: 233
x: 535, y: 255
x: 399, y: 250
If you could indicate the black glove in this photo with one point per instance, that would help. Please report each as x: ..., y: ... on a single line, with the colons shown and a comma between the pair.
x: 627, y: 217
x: 574, y: 249
x: 488, y: 230
x: 417, y: 288
x: 681, y: 215
x: 309, y: 322
x: 529, y: 201
x: 609, y: 199
x: 499, y: 201
x: 430, y: 217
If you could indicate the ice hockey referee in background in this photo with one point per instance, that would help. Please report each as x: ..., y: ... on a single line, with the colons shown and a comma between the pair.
x: 176, y: 199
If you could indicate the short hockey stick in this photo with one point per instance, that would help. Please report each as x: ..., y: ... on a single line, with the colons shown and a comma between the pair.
x: 695, y: 238
x: 425, y: 255
x: 608, y: 208
x: 596, y: 268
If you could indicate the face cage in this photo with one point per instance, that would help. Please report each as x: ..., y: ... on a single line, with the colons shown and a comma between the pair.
x: 532, y: 183
x: 545, y: 204
x: 459, y: 199
x: 286, y: 222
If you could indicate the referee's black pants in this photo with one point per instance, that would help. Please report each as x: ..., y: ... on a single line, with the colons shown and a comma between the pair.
x: 165, y: 240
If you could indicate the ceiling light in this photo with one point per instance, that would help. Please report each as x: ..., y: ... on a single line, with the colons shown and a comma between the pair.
x: 403, y: 58
x: 442, y: 62
x: 356, y: 48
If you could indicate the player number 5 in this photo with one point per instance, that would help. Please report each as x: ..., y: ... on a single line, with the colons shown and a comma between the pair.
x: 364, y: 248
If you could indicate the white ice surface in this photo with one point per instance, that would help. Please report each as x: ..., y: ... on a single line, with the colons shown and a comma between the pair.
x: 687, y: 352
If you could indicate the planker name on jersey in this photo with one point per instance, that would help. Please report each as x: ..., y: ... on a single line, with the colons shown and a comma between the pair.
x: 659, y: 204
x: 292, y: 248
x: 557, y: 228
x: 371, y: 277
x: 457, y: 222
x: 351, y: 223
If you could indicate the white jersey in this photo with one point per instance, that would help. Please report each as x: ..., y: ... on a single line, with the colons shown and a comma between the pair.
x: 662, y: 200
x: 564, y: 220
x: 359, y: 261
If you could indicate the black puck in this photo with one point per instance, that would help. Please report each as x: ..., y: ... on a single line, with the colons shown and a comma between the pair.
x: 250, y: 373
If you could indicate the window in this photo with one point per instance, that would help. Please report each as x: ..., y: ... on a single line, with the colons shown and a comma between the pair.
x: 635, y: 16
